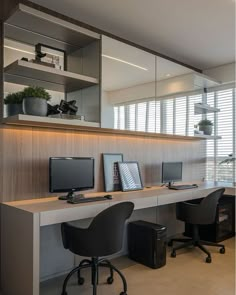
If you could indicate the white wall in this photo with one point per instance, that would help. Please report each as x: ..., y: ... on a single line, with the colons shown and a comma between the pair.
x: 225, y: 73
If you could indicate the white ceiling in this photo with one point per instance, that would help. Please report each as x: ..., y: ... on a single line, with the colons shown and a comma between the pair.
x: 197, y: 32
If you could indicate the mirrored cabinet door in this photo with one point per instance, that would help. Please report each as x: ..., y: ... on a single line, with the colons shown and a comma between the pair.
x: 128, y: 87
x: 144, y: 92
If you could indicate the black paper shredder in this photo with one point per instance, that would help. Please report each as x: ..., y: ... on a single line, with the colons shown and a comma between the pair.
x: 147, y: 243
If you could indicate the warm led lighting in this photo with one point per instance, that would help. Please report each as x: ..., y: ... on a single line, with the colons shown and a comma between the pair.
x: 125, y: 62
x: 17, y: 49
x: 28, y: 52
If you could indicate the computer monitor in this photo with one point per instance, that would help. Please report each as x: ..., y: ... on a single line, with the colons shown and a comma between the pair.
x: 171, y: 171
x: 70, y: 175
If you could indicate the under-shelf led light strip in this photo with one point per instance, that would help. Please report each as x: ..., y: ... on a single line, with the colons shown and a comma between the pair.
x: 27, y: 52
x: 125, y: 62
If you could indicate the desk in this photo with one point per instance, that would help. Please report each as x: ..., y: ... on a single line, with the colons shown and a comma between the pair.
x: 21, y: 222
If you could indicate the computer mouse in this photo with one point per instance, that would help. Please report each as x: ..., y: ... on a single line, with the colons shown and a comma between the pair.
x: 194, y: 184
x: 109, y: 197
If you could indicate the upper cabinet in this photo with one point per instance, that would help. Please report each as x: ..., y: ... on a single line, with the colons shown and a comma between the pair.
x: 144, y: 92
x: 93, y: 81
x: 128, y: 75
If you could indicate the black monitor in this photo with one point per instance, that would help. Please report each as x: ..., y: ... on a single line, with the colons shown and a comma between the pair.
x: 171, y: 171
x: 70, y: 175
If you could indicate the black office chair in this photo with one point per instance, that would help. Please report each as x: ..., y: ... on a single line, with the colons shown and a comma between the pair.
x: 103, y: 237
x: 196, y: 213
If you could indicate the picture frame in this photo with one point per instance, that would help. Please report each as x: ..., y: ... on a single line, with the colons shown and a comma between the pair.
x: 53, y: 56
x: 111, y: 172
x: 130, y: 176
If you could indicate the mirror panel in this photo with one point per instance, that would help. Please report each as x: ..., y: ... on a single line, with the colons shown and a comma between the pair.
x: 128, y: 76
x: 144, y: 92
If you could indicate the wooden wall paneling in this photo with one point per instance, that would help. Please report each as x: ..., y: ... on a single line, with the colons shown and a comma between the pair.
x: 25, y: 154
x: 1, y: 69
x: 87, y: 145
x: 47, y: 144
x: 17, y: 165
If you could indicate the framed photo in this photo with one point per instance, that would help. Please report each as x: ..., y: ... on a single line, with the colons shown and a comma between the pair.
x: 130, y: 176
x: 111, y: 172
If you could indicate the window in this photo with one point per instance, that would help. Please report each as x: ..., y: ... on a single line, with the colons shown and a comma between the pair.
x: 173, y: 115
x: 176, y: 115
x: 219, y: 150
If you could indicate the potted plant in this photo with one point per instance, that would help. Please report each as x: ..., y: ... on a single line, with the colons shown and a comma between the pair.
x: 13, y: 103
x: 35, y: 101
x: 205, y: 126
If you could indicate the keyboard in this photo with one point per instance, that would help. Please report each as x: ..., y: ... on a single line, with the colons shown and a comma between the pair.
x: 80, y: 200
x: 182, y: 187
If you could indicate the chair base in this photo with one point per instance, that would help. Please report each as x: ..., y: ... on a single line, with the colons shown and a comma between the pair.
x: 94, y: 264
x: 196, y: 242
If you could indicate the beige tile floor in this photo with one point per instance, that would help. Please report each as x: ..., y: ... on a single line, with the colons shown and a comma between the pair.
x: 186, y: 274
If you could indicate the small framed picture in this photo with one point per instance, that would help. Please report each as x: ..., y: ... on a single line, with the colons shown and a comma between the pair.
x: 130, y: 176
x: 50, y: 56
x: 111, y: 172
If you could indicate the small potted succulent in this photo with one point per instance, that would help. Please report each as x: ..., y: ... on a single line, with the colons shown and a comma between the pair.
x: 13, y: 102
x: 35, y: 101
x: 205, y: 126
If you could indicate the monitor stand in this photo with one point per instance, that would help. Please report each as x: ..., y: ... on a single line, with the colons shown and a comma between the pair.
x: 170, y: 184
x: 70, y: 196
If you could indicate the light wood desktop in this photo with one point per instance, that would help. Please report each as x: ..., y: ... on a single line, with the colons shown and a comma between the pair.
x: 21, y: 222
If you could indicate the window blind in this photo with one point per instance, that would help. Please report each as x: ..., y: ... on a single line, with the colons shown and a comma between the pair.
x: 176, y: 116
x: 219, y: 150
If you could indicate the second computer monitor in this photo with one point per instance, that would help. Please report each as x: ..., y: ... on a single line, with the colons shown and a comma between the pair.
x: 171, y: 172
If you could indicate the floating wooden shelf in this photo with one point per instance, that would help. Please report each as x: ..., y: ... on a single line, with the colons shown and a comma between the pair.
x: 200, y: 108
x: 203, y: 81
x: 28, y: 73
x: 56, y: 123
x: 28, y: 120
x: 203, y: 136
x: 32, y: 26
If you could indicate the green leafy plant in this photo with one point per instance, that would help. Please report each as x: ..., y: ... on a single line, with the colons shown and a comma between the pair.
x: 205, y: 122
x: 14, y: 98
x: 36, y: 91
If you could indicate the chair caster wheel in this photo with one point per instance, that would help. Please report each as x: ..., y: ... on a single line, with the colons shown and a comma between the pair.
x: 173, y: 254
x: 80, y: 281
x: 208, y: 259
x: 123, y: 293
x: 110, y: 280
x: 222, y: 250
x: 170, y: 243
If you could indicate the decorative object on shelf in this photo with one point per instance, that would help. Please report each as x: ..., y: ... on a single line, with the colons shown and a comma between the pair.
x: 67, y: 117
x: 50, y: 56
x: 111, y: 173
x: 35, y: 101
x: 228, y: 160
x: 24, y: 59
x: 13, y: 102
x: 68, y: 107
x: 205, y: 126
x: 130, y: 176
x: 53, y: 110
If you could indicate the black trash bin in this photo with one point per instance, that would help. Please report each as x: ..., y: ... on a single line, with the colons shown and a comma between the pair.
x: 147, y: 243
